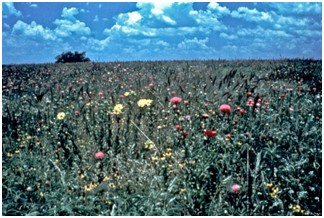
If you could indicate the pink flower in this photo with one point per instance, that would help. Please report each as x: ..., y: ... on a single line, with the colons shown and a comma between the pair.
x: 205, y: 115
x: 151, y: 85
x: 225, y: 108
x: 99, y: 155
x: 250, y: 103
x: 175, y: 100
x: 235, y: 188
x: 100, y: 94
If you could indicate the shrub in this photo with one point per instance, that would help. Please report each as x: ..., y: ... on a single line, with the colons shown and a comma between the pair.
x: 70, y: 57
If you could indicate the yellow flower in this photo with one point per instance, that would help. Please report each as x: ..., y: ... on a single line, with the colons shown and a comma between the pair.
x: 60, y: 116
x: 144, y: 102
x: 154, y: 158
x: 181, y: 164
x: 149, y: 144
x: 126, y: 94
x: 118, y: 109
x: 269, y: 185
x: 106, y: 178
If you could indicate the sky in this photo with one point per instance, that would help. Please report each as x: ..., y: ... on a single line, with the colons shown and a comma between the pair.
x: 110, y: 31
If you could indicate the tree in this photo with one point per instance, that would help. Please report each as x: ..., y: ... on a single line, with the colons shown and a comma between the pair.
x: 70, y: 57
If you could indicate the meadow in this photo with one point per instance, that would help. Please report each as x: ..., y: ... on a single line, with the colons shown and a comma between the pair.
x: 163, y: 138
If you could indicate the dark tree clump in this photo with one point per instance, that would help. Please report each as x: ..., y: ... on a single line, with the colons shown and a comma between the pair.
x: 70, y: 57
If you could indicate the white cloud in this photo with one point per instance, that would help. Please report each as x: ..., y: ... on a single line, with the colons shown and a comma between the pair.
x: 252, y: 14
x: 66, y: 28
x: 33, y: 6
x: 215, y: 7
x: 134, y: 17
x: 98, y: 45
x: 8, y: 8
x: 69, y: 13
x: 301, y: 8
x: 195, y: 43
x: 96, y: 19
x: 32, y: 30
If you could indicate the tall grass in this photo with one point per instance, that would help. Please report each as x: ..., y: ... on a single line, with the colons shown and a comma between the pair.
x: 158, y: 159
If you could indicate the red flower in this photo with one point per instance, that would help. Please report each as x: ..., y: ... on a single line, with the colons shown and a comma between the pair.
x: 175, y: 100
x: 184, y: 134
x: 178, y: 127
x: 210, y: 133
x: 225, y: 108
x: 40, y: 122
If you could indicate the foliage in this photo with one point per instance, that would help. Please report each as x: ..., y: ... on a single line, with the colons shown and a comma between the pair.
x: 70, y: 57
x: 157, y: 158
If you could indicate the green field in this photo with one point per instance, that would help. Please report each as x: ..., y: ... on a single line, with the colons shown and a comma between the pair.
x: 264, y: 157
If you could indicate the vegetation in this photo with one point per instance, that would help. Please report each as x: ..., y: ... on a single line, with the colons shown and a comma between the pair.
x: 70, y: 57
x: 163, y: 138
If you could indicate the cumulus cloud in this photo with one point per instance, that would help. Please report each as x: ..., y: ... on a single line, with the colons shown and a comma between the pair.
x: 8, y: 8
x: 300, y: 8
x: 252, y: 14
x: 32, y: 30
x: 66, y: 27
x: 69, y: 13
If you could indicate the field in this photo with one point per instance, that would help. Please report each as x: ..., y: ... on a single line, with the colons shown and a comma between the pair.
x: 162, y: 138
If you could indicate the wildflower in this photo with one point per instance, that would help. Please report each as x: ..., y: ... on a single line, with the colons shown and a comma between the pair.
x: 248, y: 94
x: 178, y: 127
x: 181, y: 164
x: 225, y: 108
x: 250, y: 103
x: 235, y: 188
x: 154, y: 158
x: 144, y: 102
x: 100, y: 94
x: 175, y: 100
x: 118, y: 109
x: 149, y: 144
x: 106, y: 178
x: 266, y: 103
x: 186, y: 102
x: 184, y: 134
x: 89, y: 187
x: 205, y: 115
x: 99, y: 155
x: 126, y: 94
x: 269, y: 185
x: 151, y: 85
x: 60, y: 116
x: 210, y: 133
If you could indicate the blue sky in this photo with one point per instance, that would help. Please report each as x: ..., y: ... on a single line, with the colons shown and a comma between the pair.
x: 111, y: 31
